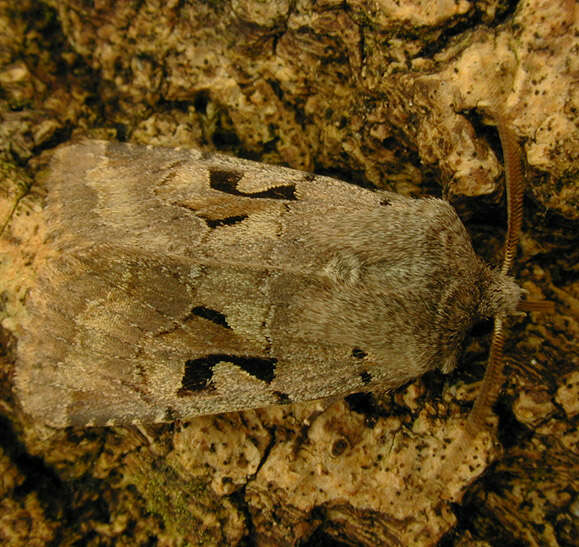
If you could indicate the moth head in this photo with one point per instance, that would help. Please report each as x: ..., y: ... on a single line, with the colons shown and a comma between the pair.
x: 500, y: 296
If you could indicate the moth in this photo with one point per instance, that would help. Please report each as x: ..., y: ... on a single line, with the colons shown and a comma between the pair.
x: 179, y: 283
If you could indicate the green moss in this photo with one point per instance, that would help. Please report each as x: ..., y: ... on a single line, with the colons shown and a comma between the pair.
x: 191, y: 513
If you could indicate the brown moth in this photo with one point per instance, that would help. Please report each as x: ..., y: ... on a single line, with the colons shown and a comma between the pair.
x: 180, y: 283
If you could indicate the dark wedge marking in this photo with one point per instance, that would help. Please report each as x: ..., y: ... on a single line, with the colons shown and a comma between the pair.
x: 226, y: 221
x: 211, y: 315
x: 199, y: 372
x: 262, y: 369
x: 197, y: 376
x: 226, y: 181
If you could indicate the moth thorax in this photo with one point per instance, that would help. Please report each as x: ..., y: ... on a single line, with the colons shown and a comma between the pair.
x: 500, y: 296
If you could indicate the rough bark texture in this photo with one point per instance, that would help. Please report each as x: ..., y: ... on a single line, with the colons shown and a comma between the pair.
x: 377, y: 92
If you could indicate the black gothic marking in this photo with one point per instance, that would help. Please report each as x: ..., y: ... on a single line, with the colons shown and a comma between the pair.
x: 226, y: 221
x: 385, y: 202
x: 226, y: 181
x: 262, y: 369
x: 366, y: 377
x: 359, y: 353
x: 282, y: 398
x: 212, y: 315
x: 199, y: 372
x: 197, y: 375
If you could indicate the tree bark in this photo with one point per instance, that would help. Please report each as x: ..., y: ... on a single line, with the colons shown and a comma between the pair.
x: 381, y: 93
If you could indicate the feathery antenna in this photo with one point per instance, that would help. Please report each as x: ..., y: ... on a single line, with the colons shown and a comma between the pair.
x: 492, y: 383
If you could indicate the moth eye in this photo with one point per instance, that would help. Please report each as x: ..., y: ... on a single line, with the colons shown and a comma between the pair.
x: 481, y: 327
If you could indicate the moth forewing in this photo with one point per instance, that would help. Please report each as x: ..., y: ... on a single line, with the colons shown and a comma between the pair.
x: 182, y: 284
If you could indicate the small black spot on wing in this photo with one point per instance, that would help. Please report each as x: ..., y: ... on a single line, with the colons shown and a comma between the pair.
x: 385, y: 202
x: 358, y: 353
x: 366, y: 377
x: 199, y: 372
x: 212, y: 315
x: 227, y: 181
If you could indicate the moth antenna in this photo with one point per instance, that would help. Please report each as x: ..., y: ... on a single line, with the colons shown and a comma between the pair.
x: 491, y: 384
x: 514, y: 185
